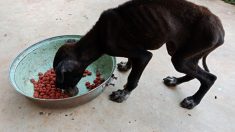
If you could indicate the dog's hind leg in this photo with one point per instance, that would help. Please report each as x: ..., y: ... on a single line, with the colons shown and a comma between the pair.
x: 139, y: 62
x: 189, y: 66
x: 124, y: 66
x: 172, y: 81
x: 207, y: 80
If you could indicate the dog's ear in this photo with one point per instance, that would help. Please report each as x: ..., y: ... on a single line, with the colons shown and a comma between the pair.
x: 60, y: 70
x: 63, y: 52
x: 59, y: 56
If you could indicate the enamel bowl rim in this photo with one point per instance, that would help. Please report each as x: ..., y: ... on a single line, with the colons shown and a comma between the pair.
x: 31, y: 48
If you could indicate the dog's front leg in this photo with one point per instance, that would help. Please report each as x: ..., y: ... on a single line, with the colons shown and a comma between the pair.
x: 139, y: 63
x: 124, y: 66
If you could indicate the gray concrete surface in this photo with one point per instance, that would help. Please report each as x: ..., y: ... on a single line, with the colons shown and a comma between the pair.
x: 152, y: 107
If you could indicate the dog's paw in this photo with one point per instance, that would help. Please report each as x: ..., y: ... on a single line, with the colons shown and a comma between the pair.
x: 170, y: 81
x: 189, y: 103
x: 119, y: 96
x: 123, y: 67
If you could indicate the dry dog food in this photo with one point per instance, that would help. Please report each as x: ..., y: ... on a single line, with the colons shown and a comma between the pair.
x: 98, y: 80
x: 45, y: 87
x: 86, y: 73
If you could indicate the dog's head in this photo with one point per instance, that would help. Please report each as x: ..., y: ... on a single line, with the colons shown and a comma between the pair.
x: 68, y: 69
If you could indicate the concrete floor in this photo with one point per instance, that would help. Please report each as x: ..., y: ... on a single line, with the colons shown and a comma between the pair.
x: 152, y: 107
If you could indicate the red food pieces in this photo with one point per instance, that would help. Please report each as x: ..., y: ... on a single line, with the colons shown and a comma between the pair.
x: 32, y: 81
x: 45, y: 88
x: 98, y: 74
x: 98, y: 80
x: 86, y: 73
x: 88, y: 84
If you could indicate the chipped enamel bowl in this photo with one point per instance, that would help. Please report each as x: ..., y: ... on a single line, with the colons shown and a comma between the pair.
x: 39, y: 58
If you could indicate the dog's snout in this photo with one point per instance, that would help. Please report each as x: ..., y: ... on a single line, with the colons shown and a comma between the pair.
x: 72, y: 91
x: 58, y: 84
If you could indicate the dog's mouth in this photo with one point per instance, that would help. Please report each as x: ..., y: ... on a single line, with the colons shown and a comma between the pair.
x: 71, y: 91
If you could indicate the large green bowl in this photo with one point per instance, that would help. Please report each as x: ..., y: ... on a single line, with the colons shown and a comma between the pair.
x: 39, y: 58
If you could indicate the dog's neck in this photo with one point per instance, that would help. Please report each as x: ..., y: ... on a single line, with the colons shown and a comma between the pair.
x: 88, y: 49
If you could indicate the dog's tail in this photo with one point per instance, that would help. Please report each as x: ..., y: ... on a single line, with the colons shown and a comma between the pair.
x: 204, y: 63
